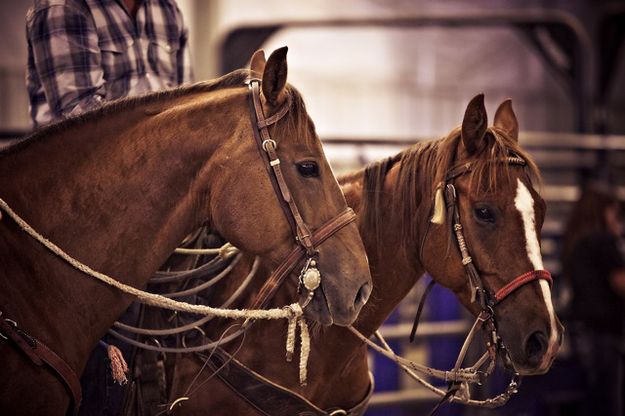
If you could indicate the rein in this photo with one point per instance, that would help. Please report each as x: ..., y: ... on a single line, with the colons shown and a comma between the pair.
x: 459, y: 378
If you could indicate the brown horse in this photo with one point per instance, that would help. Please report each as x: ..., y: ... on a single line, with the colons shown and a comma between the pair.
x: 118, y: 188
x: 501, y: 215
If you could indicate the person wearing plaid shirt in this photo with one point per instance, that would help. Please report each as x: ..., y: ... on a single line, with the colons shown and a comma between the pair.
x: 84, y: 52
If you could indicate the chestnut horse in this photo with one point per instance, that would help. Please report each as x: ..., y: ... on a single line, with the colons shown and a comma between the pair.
x: 501, y: 215
x: 118, y: 188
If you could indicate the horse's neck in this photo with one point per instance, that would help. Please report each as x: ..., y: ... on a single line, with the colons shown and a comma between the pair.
x: 393, y: 272
x: 336, y: 355
x: 114, y: 194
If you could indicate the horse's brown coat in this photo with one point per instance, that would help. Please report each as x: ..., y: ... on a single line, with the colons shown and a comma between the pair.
x: 393, y: 199
x: 120, y: 187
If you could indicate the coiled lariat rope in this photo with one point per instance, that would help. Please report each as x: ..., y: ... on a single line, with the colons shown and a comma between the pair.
x: 293, y: 313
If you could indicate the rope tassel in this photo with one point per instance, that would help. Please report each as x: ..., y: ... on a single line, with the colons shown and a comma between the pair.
x: 296, y: 319
x: 438, y: 217
x: 119, y: 368
x: 290, y: 339
x: 304, y: 351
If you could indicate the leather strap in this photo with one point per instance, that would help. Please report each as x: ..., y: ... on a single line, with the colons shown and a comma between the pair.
x: 266, y: 144
x: 522, y: 280
x: 305, y: 239
x: 318, y: 237
x: 39, y: 353
x: 267, y: 397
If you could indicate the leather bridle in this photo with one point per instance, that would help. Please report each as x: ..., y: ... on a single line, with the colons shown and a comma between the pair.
x: 307, y: 241
x: 485, y: 299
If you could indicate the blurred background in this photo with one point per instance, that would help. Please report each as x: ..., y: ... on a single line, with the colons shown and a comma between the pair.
x: 379, y: 75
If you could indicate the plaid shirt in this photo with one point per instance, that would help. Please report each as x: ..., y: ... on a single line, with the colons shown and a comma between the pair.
x: 81, y: 52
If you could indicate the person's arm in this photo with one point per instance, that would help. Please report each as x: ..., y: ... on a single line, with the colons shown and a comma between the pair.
x: 185, y: 69
x: 67, y: 58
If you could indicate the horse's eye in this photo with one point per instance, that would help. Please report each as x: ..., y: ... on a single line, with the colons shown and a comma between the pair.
x: 484, y: 214
x: 308, y: 169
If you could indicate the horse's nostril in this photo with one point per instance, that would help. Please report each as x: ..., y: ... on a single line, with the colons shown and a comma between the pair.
x: 363, y: 295
x: 536, y: 347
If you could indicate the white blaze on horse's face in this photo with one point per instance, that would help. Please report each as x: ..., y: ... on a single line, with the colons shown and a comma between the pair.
x: 524, y: 202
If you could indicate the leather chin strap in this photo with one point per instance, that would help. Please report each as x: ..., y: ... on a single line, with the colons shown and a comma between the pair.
x: 39, y: 354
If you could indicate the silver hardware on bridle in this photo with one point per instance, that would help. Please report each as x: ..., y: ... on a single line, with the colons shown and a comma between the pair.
x: 310, y: 278
x: 269, y: 142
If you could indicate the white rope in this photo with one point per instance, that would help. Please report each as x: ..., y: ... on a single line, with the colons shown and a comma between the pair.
x: 226, y: 251
x: 304, y: 351
x: 410, y: 367
x: 293, y: 313
x: 304, y: 346
x: 290, y: 340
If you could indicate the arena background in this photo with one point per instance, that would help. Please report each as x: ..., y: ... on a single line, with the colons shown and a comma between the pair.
x: 378, y: 75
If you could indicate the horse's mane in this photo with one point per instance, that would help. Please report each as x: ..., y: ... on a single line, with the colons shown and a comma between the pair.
x: 233, y: 79
x: 423, y: 167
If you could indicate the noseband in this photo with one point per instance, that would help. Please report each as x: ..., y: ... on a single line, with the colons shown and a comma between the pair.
x: 307, y: 241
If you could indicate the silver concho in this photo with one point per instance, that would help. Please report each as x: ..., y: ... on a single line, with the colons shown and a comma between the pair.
x: 312, y: 277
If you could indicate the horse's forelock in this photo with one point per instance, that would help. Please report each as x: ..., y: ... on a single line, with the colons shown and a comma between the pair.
x: 297, y: 125
x: 489, y: 174
x: 423, y: 167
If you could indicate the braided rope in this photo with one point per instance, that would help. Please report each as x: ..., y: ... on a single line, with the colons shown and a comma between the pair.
x: 226, y: 251
x: 463, y: 376
x: 304, y: 351
x: 293, y: 312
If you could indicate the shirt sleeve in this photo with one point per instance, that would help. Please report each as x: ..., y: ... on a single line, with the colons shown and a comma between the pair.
x: 67, y: 59
x: 185, y: 67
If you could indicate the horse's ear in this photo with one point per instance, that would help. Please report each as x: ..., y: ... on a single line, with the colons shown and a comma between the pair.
x: 474, y: 124
x: 506, y: 120
x: 257, y: 63
x: 274, y: 77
